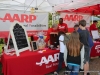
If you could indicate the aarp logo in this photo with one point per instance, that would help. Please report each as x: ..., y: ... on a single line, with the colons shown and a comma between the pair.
x: 97, y: 48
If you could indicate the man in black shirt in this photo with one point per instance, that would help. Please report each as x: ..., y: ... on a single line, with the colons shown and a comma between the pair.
x: 84, y: 35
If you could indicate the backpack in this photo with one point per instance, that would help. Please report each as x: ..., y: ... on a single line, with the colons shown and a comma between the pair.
x: 66, y: 38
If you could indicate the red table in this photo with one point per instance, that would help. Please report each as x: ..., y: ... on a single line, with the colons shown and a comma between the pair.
x: 28, y: 63
x: 95, y: 51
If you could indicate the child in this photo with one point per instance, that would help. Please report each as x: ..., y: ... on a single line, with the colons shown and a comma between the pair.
x: 74, y: 55
x: 63, y: 38
x: 76, y: 27
x: 84, y: 38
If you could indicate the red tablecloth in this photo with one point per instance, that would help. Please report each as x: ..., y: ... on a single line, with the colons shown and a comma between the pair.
x: 25, y: 64
x: 95, y: 51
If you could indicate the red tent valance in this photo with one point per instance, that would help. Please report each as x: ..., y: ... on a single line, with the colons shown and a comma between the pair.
x: 93, y: 10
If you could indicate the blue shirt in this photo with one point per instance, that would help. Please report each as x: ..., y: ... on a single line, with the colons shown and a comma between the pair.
x: 90, y: 41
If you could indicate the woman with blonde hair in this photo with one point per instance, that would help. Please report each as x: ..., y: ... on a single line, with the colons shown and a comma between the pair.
x: 74, y: 55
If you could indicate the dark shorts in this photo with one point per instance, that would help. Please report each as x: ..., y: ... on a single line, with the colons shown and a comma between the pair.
x: 87, y: 55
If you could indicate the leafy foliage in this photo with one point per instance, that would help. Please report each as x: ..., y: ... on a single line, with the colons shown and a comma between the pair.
x: 50, y: 16
x: 98, y: 24
x: 1, y: 41
x: 50, y: 19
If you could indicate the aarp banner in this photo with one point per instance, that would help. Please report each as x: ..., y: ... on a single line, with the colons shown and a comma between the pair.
x: 32, y: 22
x: 73, y: 18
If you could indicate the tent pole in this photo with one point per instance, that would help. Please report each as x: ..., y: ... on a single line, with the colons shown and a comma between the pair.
x: 28, y: 6
x: 52, y: 18
x: 92, y: 19
x: 55, y: 18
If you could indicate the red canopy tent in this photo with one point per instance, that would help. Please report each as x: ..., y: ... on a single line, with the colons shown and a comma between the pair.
x: 93, y: 10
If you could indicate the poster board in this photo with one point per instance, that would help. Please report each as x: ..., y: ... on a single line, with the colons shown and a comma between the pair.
x: 33, y: 23
x: 95, y: 34
x: 19, y: 38
x: 73, y: 18
x: 34, y: 45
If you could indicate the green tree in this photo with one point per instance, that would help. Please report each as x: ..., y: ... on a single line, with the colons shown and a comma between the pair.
x: 1, y: 41
x: 50, y: 16
x: 50, y: 20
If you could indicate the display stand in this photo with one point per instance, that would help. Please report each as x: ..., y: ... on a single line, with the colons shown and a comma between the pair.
x: 19, y: 38
x: 34, y: 45
x: 8, y: 41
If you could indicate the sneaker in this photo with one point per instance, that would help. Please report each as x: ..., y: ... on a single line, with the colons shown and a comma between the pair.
x: 81, y: 70
x: 88, y: 73
x: 55, y: 73
x: 65, y: 73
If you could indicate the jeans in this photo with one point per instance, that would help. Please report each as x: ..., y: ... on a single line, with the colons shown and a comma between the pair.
x: 61, y: 60
x: 74, y: 69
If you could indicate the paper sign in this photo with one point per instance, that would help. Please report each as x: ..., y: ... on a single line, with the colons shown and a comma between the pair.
x: 95, y: 34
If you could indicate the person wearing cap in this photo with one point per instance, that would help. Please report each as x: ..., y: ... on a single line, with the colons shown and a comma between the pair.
x: 62, y: 26
x: 94, y: 26
x: 51, y: 30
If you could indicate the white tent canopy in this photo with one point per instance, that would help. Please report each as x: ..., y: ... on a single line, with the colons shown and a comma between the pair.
x: 26, y: 5
x: 45, y: 5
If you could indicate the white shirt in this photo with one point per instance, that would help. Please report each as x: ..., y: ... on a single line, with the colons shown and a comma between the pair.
x: 62, y: 46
